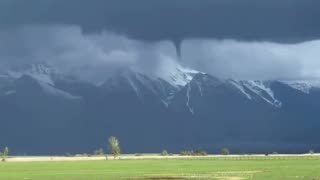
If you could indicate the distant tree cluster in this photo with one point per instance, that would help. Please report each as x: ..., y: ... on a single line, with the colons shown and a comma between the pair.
x: 115, y: 150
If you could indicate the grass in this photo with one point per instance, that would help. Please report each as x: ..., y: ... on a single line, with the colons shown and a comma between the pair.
x: 207, y: 168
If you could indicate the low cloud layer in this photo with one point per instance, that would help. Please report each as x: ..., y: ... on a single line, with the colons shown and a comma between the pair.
x: 96, y: 56
x: 93, y: 56
x: 254, y: 60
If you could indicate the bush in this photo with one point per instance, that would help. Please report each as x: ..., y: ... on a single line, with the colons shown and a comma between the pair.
x: 225, y: 151
x: 82, y: 155
x: 99, y: 152
x: 138, y: 154
x: 68, y: 155
x: 164, y: 153
x: 197, y: 152
x: 186, y: 153
x: 311, y: 151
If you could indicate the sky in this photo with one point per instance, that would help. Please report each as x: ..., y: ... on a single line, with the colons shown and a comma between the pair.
x: 242, y: 39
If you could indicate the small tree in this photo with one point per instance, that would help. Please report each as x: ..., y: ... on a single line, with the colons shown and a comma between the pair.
x: 5, y: 154
x: 225, y: 151
x: 114, y: 146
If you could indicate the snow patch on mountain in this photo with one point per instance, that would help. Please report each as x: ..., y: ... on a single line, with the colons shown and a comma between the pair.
x: 133, y: 85
x: 253, y: 89
x: 47, y: 88
x: 188, y: 99
x: 42, y: 74
x: 142, y: 85
x: 180, y: 76
x: 238, y: 85
x: 304, y: 86
x: 261, y: 89
x: 39, y: 72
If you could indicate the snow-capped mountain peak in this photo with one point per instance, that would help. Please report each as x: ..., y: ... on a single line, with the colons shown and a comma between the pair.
x: 180, y: 76
x: 43, y: 74
x: 142, y: 85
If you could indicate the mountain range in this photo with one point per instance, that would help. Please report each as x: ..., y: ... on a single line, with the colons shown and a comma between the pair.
x: 44, y: 111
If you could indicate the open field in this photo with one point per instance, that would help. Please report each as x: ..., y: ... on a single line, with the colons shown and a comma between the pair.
x: 149, y: 167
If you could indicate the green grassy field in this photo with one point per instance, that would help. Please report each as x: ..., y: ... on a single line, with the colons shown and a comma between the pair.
x: 259, y: 168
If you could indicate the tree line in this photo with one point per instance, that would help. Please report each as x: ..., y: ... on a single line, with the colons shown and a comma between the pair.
x: 115, y: 150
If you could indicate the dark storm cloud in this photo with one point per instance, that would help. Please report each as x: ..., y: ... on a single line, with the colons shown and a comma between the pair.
x: 272, y: 20
x: 242, y: 39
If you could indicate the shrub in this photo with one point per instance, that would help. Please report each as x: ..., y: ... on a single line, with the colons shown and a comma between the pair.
x: 68, y: 155
x: 164, y: 153
x: 82, y: 155
x: 186, y: 153
x: 99, y: 152
x: 311, y: 151
x: 225, y: 151
x: 197, y: 152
